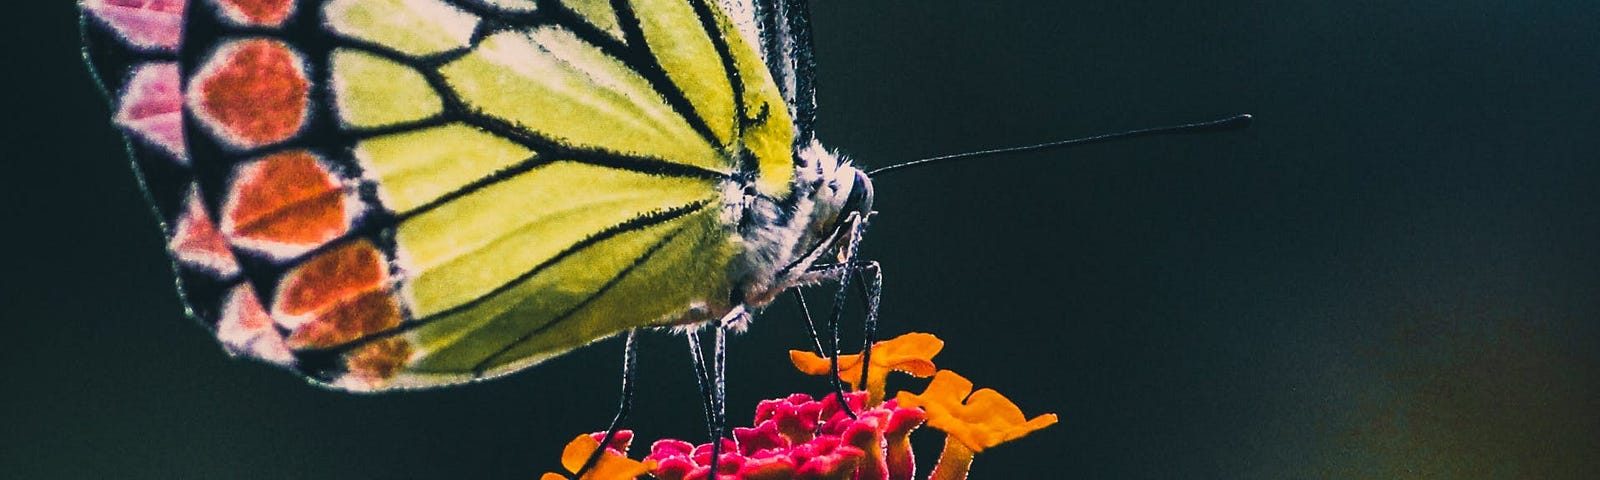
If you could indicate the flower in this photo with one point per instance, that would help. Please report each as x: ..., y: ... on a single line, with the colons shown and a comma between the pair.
x: 801, y: 437
x: 614, y: 464
x: 973, y: 423
x: 911, y: 353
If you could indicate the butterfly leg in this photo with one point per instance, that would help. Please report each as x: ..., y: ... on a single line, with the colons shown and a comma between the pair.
x: 701, y: 377
x: 811, y: 325
x: 713, y: 378
x: 870, y: 282
x: 816, y: 340
x: 720, y: 367
x: 630, y: 365
x: 844, y: 273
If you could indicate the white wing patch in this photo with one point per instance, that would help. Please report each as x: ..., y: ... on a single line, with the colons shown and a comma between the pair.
x: 519, y: 6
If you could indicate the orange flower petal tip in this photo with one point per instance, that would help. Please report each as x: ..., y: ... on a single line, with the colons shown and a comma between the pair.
x: 910, y: 353
x: 811, y: 364
x: 613, y: 465
x: 979, y: 421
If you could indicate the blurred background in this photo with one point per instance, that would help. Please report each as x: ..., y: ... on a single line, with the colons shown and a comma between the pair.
x: 1393, y: 274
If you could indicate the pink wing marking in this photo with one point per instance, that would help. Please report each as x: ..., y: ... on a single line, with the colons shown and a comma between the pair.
x: 146, y: 24
x: 197, y: 242
x: 246, y: 328
x: 151, y: 108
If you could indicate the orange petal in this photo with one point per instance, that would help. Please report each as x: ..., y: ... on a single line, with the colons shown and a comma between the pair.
x: 982, y: 421
x: 997, y: 420
x: 947, y: 390
x: 910, y: 353
x: 610, y: 467
x: 811, y: 364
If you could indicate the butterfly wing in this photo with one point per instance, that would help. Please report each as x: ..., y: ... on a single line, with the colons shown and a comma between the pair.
x: 409, y: 193
x: 132, y: 48
x: 780, y: 30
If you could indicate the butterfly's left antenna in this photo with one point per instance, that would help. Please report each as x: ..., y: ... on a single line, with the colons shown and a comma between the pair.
x: 1236, y: 122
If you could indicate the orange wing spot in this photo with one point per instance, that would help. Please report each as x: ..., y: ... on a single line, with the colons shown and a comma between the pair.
x: 196, y: 242
x: 285, y: 204
x: 252, y: 93
x: 337, y: 297
x: 347, y: 321
x: 378, y: 361
x: 257, y: 12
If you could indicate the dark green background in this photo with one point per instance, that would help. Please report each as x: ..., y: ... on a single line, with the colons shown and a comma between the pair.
x: 1393, y: 275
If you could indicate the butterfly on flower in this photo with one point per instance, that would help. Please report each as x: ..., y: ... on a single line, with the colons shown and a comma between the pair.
x: 397, y: 194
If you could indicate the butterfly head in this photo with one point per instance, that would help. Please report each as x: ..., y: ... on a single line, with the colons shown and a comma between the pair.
x: 843, y: 194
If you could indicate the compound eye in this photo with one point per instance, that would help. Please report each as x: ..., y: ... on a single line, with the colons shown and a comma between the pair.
x: 860, y: 199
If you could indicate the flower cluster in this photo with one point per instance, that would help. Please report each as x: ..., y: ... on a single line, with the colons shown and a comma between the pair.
x: 801, y: 437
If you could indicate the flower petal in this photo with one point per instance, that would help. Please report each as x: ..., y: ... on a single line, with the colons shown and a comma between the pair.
x: 910, y: 353
x: 1003, y: 420
x: 982, y: 421
x: 619, y: 442
x: 811, y: 364
x: 763, y: 437
x: 611, y: 466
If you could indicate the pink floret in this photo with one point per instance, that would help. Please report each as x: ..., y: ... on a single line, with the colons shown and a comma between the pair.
x: 619, y: 441
x: 674, y: 459
x: 797, y: 437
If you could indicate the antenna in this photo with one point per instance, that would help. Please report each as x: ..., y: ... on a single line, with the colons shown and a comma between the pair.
x: 1236, y: 122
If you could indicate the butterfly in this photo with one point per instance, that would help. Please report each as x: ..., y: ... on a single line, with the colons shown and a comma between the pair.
x: 401, y: 194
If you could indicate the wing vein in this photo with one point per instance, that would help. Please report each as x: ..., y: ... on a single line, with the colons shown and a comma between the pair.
x: 638, y: 58
x: 640, y: 222
x: 483, y: 366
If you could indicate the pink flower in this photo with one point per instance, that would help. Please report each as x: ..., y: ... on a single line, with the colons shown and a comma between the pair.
x: 800, y: 437
x: 803, y: 438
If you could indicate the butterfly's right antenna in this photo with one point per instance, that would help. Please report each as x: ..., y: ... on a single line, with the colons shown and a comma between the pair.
x: 1235, y: 122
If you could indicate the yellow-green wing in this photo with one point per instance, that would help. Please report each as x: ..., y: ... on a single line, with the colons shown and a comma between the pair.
x: 457, y: 189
